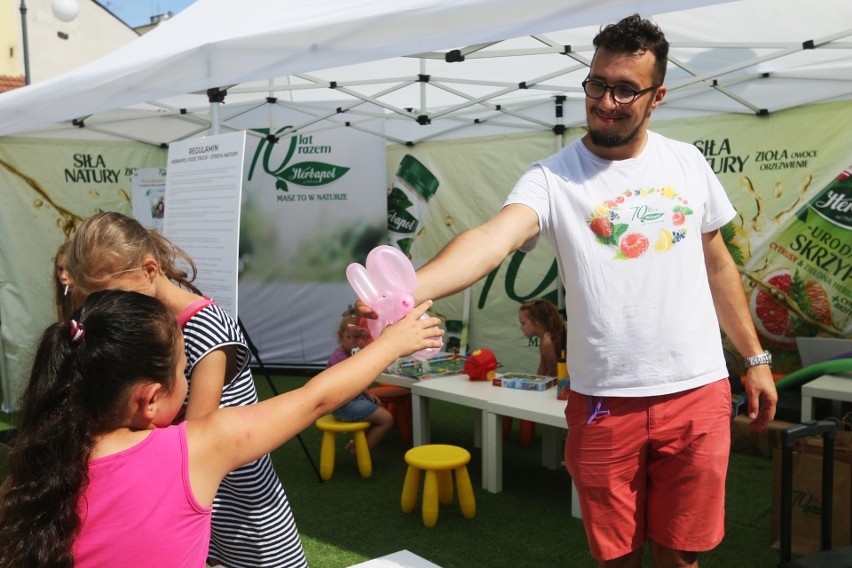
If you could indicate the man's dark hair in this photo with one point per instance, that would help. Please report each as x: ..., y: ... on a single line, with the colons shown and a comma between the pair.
x: 634, y: 34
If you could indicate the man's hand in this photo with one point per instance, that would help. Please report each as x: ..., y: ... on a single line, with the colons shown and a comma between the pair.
x: 359, y: 328
x: 762, y: 396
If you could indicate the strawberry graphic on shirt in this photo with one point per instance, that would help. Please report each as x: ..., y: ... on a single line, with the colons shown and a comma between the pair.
x: 601, y: 226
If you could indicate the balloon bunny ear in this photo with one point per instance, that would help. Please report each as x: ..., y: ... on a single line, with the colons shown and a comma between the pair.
x: 363, y: 281
x: 362, y: 284
x: 391, y: 271
x: 386, y: 285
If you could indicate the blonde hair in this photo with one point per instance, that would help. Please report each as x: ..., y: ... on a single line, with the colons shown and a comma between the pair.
x: 350, y: 316
x: 66, y: 301
x: 109, y: 243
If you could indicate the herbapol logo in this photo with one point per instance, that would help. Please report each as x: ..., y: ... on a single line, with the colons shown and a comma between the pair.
x: 310, y: 173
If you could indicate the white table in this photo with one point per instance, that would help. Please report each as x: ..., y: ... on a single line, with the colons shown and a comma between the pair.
x: 490, y: 404
x: 541, y: 407
x: 401, y: 559
x: 833, y: 387
x: 458, y: 389
x: 396, y: 380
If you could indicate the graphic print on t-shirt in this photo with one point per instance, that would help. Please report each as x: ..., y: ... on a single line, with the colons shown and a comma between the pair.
x: 632, y: 220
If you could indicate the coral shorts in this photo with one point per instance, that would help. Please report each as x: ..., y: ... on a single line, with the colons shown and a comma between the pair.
x: 651, y: 468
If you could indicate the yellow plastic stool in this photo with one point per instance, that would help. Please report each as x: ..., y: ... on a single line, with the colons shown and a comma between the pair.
x: 438, y: 460
x: 330, y: 426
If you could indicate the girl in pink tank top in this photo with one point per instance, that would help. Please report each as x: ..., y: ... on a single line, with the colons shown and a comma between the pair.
x: 99, y: 476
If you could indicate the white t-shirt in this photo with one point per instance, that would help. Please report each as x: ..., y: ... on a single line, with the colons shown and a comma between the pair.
x: 627, y: 235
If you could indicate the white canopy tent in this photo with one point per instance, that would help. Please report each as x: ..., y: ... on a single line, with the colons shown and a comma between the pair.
x: 437, y: 68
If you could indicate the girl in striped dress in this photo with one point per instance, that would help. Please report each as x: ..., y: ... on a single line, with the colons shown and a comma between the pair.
x: 252, y: 525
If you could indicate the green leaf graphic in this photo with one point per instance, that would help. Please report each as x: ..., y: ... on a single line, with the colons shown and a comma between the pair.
x: 398, y: 200
x: 618, y: 229
x: 405, y: 245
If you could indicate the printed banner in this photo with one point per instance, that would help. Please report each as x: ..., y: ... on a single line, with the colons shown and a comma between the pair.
x: 148, y: 186
x: 48, y: 188
x: 787, y: 175
x: 312, y: 204
x: 204, y: 181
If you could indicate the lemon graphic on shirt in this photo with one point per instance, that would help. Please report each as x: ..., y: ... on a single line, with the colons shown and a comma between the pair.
x: 664, y: 241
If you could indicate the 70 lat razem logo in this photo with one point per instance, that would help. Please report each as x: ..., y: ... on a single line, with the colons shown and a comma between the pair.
x: 309, y: 173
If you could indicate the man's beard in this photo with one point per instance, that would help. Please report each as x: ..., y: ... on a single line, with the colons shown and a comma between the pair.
x: 612, y: 139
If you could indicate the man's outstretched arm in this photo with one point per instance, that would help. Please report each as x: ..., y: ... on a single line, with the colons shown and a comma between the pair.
x: 474, y: 253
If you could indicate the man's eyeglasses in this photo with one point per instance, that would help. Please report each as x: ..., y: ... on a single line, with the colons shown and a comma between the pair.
x: 623, y: 94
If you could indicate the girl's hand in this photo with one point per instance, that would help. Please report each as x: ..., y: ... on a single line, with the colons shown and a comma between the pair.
x: 411, y: 333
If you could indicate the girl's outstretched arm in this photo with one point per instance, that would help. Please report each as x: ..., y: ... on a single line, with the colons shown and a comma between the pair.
x: 231, y: 437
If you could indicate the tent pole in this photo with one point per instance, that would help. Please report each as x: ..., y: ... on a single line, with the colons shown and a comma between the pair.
x: 216, y: 96
x: 559, y: 135
x: 214, y: 122
x: 423, y: 105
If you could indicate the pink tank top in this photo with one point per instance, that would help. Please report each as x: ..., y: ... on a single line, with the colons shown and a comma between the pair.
x: 139, y: 510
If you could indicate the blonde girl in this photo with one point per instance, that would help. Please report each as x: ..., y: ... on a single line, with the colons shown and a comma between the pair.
x: 252, y: 521
x: 364, y: 407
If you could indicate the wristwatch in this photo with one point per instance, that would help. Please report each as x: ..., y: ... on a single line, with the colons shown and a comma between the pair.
x: 764, y: 358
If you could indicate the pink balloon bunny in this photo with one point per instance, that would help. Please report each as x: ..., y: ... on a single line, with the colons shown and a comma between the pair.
x: 386, y: 285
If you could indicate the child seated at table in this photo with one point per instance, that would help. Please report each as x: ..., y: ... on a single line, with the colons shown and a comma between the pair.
x: 539, y: 318
x: 365, y: 407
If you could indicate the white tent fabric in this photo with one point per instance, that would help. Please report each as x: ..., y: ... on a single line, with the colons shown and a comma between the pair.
x: 217, y: 43
x: 439, y: 68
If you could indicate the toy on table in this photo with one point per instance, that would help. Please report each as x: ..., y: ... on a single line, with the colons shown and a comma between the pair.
x: 386, y: 285
x: 442, y: 365
x: 481, y: 365
x: 524, y: 381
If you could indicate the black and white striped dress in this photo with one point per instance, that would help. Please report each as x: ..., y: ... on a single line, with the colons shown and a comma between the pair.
x: 252, y: 523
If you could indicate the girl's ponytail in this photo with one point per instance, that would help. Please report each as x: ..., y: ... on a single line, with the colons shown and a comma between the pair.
x: 82, y: 373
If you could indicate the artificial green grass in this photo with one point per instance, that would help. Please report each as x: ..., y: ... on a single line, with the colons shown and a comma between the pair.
x: 349, y: 519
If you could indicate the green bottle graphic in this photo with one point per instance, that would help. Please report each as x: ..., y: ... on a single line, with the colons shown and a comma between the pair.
x: 413, y: 186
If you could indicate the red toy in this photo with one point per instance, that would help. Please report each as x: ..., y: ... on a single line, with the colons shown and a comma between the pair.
x: 480, y: 365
